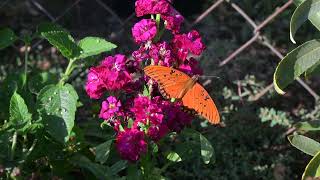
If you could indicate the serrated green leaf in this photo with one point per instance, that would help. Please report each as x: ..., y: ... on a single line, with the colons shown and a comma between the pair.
x: 308, y: 9
x: 37, y: 82
x: 19, y: 114
x: 313, y: 168
x: 296, y: 63
x: 57, y: 105
x: 59, y: 38
x: 206, y: 149
x: 7, y: 38
x: 304, y: 144
x: 308, y: 126
x: 103, y: 151
x: 93, y: 46
x: 174, y: 157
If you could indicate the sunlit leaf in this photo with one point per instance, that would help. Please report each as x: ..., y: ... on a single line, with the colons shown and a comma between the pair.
x: 19, y: 114
x: 308, y: 126
x: 296, y: 63
x: 59, y: 38
x: 308, y: 9
x: 206, y: 149
x: 173, y: 156
x: 305, y: 144
x: 57, y: 105
x: 93, y: 46
x: 312, y: 169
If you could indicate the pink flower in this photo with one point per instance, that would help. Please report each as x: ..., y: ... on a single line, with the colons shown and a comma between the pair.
x: 191, y: 67
x: 140, y: 54
x: 156, y: 132
x: 176, y: 119
x: 109, y: 108
x: 111, y: 74
x: 161, y: 54
x: 118, y: 75
x: 197, y: 47
x: 185, y: 43
x: 145, y: 109
x: 173, y: 20
x: 131, y: 144
x: 95, y: 85
x: 148, y: 113
x: 144, y: 7
x: 144, y: 30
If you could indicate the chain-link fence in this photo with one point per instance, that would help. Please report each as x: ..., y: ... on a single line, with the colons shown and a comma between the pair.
x: 257, y: 34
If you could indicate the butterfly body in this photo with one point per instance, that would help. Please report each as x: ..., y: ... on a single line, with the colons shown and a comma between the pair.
x: 176, y: 84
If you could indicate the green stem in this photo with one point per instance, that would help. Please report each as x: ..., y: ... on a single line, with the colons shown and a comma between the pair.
x: 160, y: 31
x: 67, y: 73
x: 31, y: 148
x: 26, y: 55
x: 14, y: 144
x: 164, y: 168
x: 158, y: 19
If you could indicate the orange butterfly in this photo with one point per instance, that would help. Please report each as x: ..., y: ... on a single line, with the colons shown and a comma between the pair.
x: 178, y: 85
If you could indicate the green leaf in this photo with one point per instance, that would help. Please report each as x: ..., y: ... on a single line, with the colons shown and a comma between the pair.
x: 7, y: 37
x: 38, y: 81
x: 57, y: 105
x: 118, y: 166
x: 296, y: 63
x: 206, y: 149
x: 19, y: 114
x: 312, y: 169
x: 103, y: 151
x: 174, y: 157
x: 133, y: 173
x: 308, y: 126
x: 101, y: 172
x: 59, y: 38
x: 304, y: 144
x: 93, y: 46
x: 308, y: 9
x: 146, y: 90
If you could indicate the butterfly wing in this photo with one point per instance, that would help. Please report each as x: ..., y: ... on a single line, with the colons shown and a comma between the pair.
x: 172, y: 83
x: 198, y: 98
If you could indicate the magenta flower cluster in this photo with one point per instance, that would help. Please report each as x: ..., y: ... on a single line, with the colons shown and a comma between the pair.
x: 119, y: 81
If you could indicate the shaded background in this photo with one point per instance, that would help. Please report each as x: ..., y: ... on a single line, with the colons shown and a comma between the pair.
x: 253, y: 144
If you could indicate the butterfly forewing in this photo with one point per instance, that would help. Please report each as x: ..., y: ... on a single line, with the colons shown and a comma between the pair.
x: 171, y: 81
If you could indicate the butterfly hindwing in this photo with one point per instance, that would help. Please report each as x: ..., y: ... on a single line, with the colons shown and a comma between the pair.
x: 197, y: 98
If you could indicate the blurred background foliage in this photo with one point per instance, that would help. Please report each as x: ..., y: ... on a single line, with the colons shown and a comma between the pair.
x: 252, y: 143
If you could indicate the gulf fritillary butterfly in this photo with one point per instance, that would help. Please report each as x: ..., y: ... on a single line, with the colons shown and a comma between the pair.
x: 176, y: 84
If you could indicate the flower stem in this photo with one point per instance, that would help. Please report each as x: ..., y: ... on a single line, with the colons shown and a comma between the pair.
x: 31, y: 148
x: 67, y: 73
x: 26, y: 55
x: 14, y: 144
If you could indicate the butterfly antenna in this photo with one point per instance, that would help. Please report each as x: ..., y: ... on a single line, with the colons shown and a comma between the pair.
x: 218, y: 77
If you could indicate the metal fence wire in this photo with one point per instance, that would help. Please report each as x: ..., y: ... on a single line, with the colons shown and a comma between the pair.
x: 256, y: 30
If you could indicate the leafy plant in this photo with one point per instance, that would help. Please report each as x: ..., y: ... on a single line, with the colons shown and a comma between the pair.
x: 304, y: 59
x: 41, y: 109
